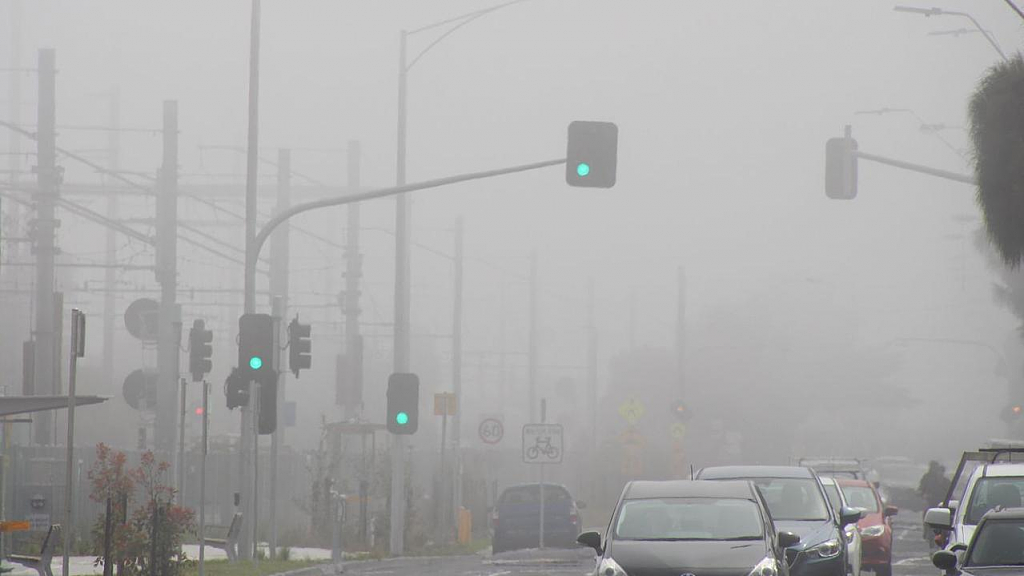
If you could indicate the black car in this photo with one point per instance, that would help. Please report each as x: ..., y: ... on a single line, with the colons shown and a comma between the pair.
x: 797, y: 502
x: 516, y: 518
x: 690, y: 527
x: 997, y: 547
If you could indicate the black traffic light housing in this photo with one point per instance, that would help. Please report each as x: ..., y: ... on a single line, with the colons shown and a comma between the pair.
x: 299, y: 345
x: 403, y: 403
x: 200, y: 350
x: 681, y: 411
x: 236, y: 389
x: 255, y: 344
x: 841, y: 167
x: 592, y: 154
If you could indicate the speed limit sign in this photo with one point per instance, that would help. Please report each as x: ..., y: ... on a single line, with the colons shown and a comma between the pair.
x: 491, y: 430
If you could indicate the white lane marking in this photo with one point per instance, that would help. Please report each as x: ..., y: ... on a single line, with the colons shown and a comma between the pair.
x: 500, y: 573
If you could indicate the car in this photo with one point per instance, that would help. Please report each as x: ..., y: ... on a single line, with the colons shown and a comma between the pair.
x: 797, y: 502
x: 675, y: 527
x: 836, y: 467
x: 837, y: 500
x: 996, y: 547
x: 515, y: 521
x: 875, y: 525
x: 980, y: 483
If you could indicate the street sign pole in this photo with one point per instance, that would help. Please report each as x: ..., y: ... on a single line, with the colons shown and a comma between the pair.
x: 77, y: 350
x: 543, y: 420
x: 202, y: 480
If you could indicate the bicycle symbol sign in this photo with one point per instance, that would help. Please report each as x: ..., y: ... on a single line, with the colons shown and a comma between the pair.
x: 542, y: 443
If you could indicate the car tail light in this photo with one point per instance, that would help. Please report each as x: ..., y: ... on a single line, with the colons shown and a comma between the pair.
x: 494, y: 519
x: 574, y: 518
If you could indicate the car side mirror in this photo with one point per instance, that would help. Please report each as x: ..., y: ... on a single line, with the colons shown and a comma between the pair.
x: 939, y: 518
x: 590, y: 540
x: 788, y: 539
x: 944, y: 560
x: 581, y: 504
x: 890, y: 511
x: 849, y: 516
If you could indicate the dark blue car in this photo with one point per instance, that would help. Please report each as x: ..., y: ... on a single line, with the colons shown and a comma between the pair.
x: 516, y: 518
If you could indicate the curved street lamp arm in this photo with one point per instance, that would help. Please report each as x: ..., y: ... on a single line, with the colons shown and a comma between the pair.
x: 462, y: 21
x: 984, y: 32
x: 1014, y: 8
x: 268, y: 228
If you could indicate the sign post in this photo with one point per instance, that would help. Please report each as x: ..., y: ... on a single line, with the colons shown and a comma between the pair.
x: 542, y: 444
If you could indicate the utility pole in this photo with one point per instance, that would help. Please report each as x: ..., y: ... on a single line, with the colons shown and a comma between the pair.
x: 169, y: 338
x: 353, y: 277
x: 402, y: 309
x: 457, y: 367
x: 114, y: 163
x: 49, y: 178
x: 592, y: 381
x: 279, y: 259
x: 245, y: 544
x: 681, y: 331
x: 532, y: 344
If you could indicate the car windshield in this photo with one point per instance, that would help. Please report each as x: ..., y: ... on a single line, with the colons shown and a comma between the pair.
x: 993, y: 492
x: 793, y: 498
x: 861, y: 497
x: 998, y: 543
x: 689, y: 519
x: 833, y: 497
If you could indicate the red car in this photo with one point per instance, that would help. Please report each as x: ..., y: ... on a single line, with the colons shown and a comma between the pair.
x: 875, y: 526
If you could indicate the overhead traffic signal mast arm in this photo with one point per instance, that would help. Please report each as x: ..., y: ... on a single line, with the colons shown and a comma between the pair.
x: 268, y: 228
x: 966, y: 179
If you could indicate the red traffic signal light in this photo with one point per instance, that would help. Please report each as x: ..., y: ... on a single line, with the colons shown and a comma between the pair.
x: 199, y: 411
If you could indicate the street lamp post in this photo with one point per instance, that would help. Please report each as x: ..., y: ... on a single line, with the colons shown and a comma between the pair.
x: 928, y: 12
x: 402, y: 264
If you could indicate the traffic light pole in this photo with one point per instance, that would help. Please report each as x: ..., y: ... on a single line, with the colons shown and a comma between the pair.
x: 916, y: 167
x: 264, y: 233
x: 45, y: 351
x: 245, y: 544
x: 279, y: 258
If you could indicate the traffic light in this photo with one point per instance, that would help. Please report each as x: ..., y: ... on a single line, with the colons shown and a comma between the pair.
x: 841, y: 167
x: 591, y: 155
x: 681, y: 411
x: 199, y: 350
x: 299, y: 345
x: 403, y: 403
x: 236, y: 389
x: 1013, y: 412
x: 255, y: 344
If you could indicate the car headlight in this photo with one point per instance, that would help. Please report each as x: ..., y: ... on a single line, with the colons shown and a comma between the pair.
x: 609, y: 567
x: 851, y: 532
x: 766, y: 567
x: 873, y: 531
x: 828, y: 549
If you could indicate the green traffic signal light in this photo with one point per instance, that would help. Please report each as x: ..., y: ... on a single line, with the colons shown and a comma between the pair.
x: 255, y: 362
x: 402, y: 418
x: 583, y: 169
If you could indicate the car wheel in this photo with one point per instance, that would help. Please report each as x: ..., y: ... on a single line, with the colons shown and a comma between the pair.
x: 884, y: 570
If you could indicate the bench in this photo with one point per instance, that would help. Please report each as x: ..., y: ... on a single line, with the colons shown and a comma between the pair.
x: 229, y: 543
x: 41, y: 563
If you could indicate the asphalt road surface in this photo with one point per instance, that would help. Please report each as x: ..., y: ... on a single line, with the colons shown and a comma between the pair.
x: 911, y: 558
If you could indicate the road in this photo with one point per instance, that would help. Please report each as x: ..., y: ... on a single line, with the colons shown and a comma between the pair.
x: 911, y: 559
